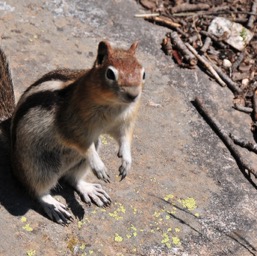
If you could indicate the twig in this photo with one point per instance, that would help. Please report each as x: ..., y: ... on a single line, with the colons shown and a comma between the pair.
x: 166, y: 46
x: 252, y: 17
x: 146, y: 15
x: 243, y: 143
x: 207, y: 13
x: 238, y: 61
x: 206, y: 64
x: 255, y: 105
x: 164, y: 21
x: 231, y: 84
x: 179, y: 44
x: 243, y: 109
x: 214, y: 38
x: 206, y: 45
x: 216, y: 126
x: 189, y: 7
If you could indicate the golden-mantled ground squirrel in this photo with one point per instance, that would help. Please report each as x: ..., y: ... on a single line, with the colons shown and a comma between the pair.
x: 56, y: 125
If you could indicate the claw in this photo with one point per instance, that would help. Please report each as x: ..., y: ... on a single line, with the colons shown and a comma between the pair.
x: 123, y: 173
x: 55, y: 210
x: 93, y: 193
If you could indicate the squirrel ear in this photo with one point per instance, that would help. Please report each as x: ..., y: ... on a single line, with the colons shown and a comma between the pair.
x: 104, y: 49
x: 133, y: 48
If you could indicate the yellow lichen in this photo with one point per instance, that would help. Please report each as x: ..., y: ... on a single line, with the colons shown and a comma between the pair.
x: 128, y: 236
x: 169, y: 196
x: 188, y: 203
x: 28, y: 228
x: 118, y: 238
x: 166, y: 240
x: 156, y: 214
x: 23, y: 219
x: 82, y: 247
x: 103, y: 140
x: 31, y: 253
x: 175, y: 240
x: 177, y: 229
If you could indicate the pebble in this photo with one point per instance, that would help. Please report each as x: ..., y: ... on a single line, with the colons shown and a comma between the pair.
x: 227, y: 63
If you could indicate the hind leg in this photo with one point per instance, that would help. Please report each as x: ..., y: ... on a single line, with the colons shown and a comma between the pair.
x: 89, y: 192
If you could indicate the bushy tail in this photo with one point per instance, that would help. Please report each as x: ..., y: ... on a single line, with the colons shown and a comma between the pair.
x: 7, y: 101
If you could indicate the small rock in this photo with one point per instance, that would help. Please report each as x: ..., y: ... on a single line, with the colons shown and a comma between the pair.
x: 232, y: 33
x: 245, y: 82
x: 227, y: 63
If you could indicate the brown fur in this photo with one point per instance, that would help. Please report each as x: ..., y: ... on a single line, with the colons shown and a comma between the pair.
x: 58, y: 120
x: 7, y: 101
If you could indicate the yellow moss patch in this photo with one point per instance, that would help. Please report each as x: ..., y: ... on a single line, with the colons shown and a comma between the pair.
x: 31, y: 253
x: 175, y: 240
x: 28, y: 228
x: 166, y: 240
x: 169, y: 196
x: 103, y: 140
x: 188, y: 203
x: 23, y: 219
x: 118, y: 238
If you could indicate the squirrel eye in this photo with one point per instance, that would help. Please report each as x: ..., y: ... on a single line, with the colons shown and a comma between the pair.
x: 111, y: 74
x: 144, y: 75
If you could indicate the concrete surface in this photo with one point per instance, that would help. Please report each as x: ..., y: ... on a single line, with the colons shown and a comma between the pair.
x: 185, y: 194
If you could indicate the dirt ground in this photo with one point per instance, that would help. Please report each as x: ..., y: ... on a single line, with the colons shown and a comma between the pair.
x: 185, y: 194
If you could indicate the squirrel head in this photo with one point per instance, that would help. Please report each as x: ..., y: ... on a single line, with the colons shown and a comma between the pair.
x: 120, y: 74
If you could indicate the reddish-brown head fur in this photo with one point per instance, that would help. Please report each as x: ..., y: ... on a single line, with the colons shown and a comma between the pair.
x: 119, y: 76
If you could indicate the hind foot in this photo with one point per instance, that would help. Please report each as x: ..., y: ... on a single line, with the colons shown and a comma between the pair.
x: 55, y: 210
x: 93, y: 193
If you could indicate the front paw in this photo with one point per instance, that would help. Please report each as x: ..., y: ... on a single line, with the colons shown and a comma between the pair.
x: 101, y: 173
x: 123, y: 170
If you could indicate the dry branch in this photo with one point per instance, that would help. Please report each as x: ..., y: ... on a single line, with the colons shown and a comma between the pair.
x: 213, y: 38
x: 206, y: 45
x: 206, y: 64
x: 179, y: 44
x: 189, y: 7
x: 243, y: 109
x: 216, y: 126
x: 243, y: 143
x: 163, y: 21
x: 238, y: 61
x: 231, y: 84
x: 252, y: 16
x: 255, y: 105
x: 146, y: 15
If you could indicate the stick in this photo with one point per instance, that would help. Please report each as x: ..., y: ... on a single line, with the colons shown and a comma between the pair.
x: 164, y: 21
x: 255, y: 105
x: 252, y: 17
x: 238, y: 61
x: 213, y: 38
x: 206, y: 45
x: 166, y: 46
x: 179, y: 44
x: 224, y: 137
x: 243, y: 143
x: 146, y: 15
x: 243, y: 109
x: 206, y: 64
x: 231, y: 84
x: 189, y: 7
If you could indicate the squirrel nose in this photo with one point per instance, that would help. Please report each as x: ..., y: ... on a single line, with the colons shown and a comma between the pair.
x: 131, y: 96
